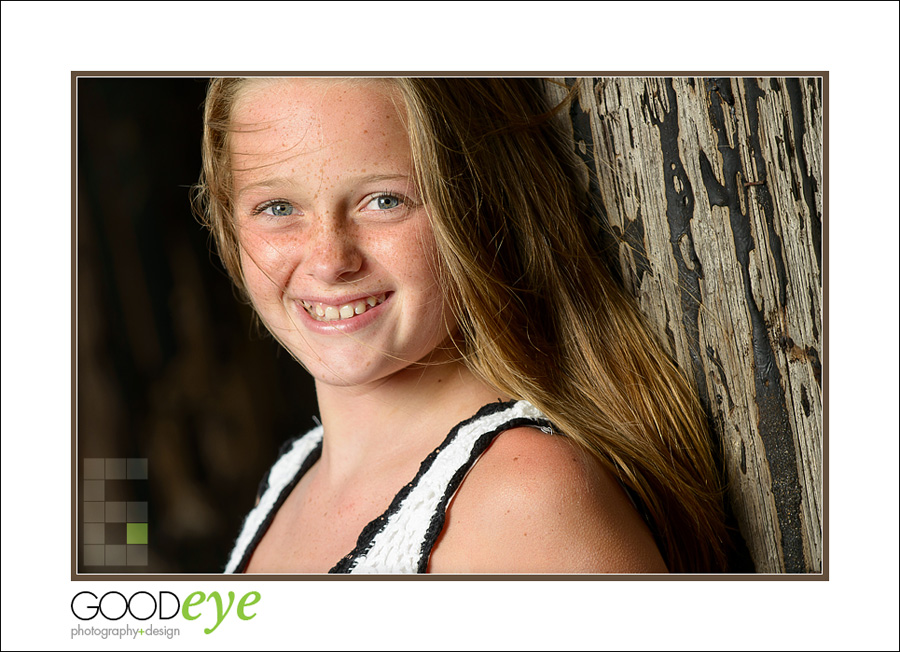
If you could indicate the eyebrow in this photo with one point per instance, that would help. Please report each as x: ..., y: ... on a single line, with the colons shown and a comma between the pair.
x: 275, y: 182
x: 280, y: 182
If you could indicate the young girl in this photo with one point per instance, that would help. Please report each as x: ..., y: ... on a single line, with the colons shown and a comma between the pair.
x: 490, y: 399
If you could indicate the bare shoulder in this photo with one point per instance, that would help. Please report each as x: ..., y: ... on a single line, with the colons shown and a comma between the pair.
x: 535, y: 503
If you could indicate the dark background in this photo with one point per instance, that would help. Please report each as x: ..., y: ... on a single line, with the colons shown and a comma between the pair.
x: 170, y: 364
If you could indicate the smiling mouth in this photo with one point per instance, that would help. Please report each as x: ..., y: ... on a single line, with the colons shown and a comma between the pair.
x: 325, y: 312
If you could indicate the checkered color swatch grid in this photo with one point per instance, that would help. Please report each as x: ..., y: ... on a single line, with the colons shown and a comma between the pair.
x: 115, y: 529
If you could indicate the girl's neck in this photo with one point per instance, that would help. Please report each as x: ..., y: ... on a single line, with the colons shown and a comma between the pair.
x: 408, y: 414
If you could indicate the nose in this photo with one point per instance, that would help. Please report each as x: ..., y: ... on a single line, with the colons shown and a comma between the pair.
x: 333, y: 252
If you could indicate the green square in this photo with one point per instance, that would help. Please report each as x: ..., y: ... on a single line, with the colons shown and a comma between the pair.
x: 136, y: 533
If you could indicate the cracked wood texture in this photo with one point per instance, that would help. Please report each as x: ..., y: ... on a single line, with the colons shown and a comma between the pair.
x: 709, y: 192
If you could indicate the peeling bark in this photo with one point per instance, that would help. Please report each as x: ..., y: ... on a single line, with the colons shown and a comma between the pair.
x: 711, y: 195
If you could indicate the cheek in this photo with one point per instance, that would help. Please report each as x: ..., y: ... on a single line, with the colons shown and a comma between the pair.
x: 262, y: 285
x: 422, y: 271
x: 420, y: 251
x: 264, y: 261
x: 437, y: 285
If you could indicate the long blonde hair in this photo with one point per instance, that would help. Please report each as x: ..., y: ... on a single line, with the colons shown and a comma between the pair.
x: 541, y: 317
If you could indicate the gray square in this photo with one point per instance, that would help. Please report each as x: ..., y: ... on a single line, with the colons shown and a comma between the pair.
x: 115, y: 512
x: 93, y: 556
x: 94, y: 512
x: 115, y: 468
x: 93, y: 490
x: 136, y: 513
x: 94, y: 533
x: 93, y: 468
x: 137, y: 468
x: 115, y: 556
x: 137, y: 555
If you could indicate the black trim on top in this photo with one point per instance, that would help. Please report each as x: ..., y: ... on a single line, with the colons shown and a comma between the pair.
x: 283, y: 450
x: 311, y: 459
x: 440, y: 514
x: 367, y: 537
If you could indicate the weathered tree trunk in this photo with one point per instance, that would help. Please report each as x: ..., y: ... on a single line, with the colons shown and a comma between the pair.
x: 711, y: 192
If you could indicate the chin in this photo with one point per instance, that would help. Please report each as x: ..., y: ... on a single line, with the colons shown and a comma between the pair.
x: 357, y: 375
x: 364, y: 373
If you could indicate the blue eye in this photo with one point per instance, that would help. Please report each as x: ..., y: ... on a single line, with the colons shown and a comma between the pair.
x: 275, y: 208
x: 281, y: 209
x: 384, y: 203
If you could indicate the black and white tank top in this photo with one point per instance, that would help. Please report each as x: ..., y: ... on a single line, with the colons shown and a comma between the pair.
x: 401, y: 539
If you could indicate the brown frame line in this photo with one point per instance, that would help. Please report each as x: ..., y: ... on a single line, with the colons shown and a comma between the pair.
x: 75, y: 576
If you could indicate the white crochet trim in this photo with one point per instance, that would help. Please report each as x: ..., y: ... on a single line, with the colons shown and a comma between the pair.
x: 283, y: 471
x: 397, y: 548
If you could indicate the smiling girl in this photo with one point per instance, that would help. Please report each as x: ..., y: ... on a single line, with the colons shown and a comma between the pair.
x: 490, y: 399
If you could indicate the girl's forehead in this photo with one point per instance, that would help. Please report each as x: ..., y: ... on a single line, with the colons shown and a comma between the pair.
x: 268, y: 99
x: 322, y: 126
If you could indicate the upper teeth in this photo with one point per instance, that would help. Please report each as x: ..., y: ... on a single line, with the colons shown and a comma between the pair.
x: 325, y: 312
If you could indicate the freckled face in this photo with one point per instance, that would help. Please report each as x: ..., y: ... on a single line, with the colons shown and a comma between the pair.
x: 336, y: 246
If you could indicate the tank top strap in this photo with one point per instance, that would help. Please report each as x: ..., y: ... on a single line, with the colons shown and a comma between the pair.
x: 401, y: 539
x: 295, y: 459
